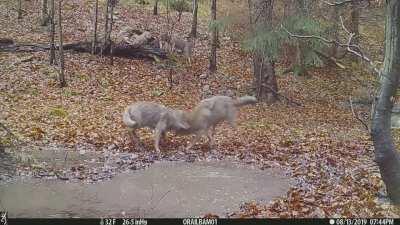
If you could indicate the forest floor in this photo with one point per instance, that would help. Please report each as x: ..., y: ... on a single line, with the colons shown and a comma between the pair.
x: 320, y: 143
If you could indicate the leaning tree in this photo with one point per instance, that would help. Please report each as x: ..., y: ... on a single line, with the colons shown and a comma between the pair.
x: 386, y: 155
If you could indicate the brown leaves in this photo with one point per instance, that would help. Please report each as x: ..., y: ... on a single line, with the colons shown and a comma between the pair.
x: 320, y: 145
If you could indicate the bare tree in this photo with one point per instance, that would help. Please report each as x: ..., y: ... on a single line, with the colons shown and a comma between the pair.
x: 214, y: 39
x: 263, y: 65
x: 19, y: 9
x: 105, y: 41
x: 52, y: 33
x: 63, y: 82
x: 112, y: 2
x: 193, y: 32
x: 155, y: 7
x: 355, y: 17
x: 94, y: 41
x: 335, y: 29
x: 386, y: 155
x: 45, y: 14
x: 108, y: 25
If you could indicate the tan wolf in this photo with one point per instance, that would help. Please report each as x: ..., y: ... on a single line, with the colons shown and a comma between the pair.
x: 210, y: 112
x: 154, y: 116
x: 202, y: 120
x: 172, y: 42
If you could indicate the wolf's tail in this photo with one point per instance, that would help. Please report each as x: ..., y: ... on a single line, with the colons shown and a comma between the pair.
x: 126, y: 118
x: 245, y: 100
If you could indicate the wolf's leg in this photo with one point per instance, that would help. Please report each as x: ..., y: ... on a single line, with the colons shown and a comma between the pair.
x: 210, y: 136
x: 232, y: 117
x: 136, y: 140
x: 172, y: 46
x: 194, y: 140
x: 158, y: 133
x: 163, y: 136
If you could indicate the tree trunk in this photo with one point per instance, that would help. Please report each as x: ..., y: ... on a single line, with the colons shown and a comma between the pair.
x: 386, y: 155
x: 110, y: 30
x: 19, y: 9
x: 263, y: 66
x: 264, y: 78
x: 52, y: 33
x: 213, y: 53
x: 355, y: 17
x: 94, y: 42
x: 63, y: 83
x: 289, y: 8
x: 193, y: 32
x: 155, y: 8
x: 335, y: 30
x: 180, y: 15
x: 105, y: 28
x: 45, y: 14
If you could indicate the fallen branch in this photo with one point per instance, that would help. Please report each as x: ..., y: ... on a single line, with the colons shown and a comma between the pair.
x: 119, y: 49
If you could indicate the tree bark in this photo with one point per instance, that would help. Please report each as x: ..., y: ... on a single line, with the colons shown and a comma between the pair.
x: 52, y: 33
x: 63, y: 83
x: 289, y: 8
x: 45, y: 14
x: 355, y: 18
x: 105, y: 28
x: 263, y: 66
x: 155, y: 8
x: 193, y: 32
x: 264, y: 78
x: 386, y: 155
x: 110, y: 30
x: 213, y: 53
x: 335, y: 30
x: 19, y: 9
x: 94, y: 42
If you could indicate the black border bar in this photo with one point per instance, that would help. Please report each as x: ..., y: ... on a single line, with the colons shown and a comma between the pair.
x: 198, y: 221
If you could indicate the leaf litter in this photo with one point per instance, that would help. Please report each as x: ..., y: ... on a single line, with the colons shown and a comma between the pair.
x: 319, y: 144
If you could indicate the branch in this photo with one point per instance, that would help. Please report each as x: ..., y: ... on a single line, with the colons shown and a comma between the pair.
x: 337, y: 3
x: 356, y: 116
x: 309, y: 36
x: 348, y: 45
x: 359, y: 53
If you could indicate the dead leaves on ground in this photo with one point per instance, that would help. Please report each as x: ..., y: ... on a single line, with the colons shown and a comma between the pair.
x: 320, y: 144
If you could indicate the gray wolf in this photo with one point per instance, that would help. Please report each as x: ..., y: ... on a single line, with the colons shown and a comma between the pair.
x: 154, y: 116
x: 212, y: 111
x: 202, y: 120
x: 174, y: 42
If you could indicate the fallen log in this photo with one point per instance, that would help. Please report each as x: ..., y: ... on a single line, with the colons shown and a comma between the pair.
x: 148, y: 50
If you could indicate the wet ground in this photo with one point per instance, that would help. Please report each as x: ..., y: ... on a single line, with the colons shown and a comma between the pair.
x: 96, y: 184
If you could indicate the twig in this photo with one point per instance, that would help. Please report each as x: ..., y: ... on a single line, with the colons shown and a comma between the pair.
x: 337, y: 3
x: 356, y: 116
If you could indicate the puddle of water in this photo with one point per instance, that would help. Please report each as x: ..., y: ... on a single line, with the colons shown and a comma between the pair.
x: 165, y: 189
